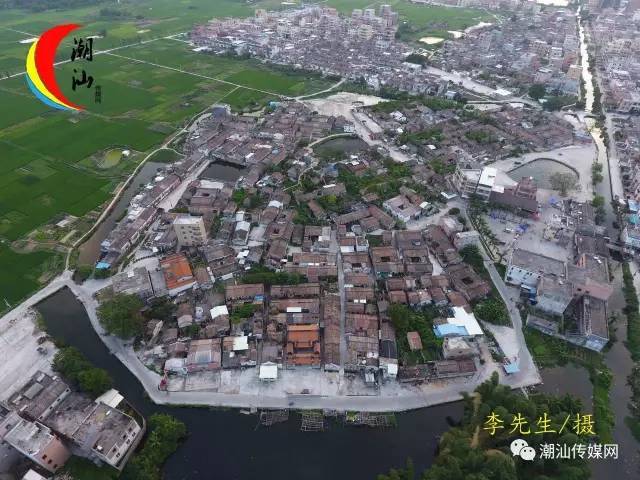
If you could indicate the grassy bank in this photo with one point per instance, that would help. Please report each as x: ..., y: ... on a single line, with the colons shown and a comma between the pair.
x: 550, y: 352
x: 633, y: 421
x: 633, y: 345
x: 632, y: 313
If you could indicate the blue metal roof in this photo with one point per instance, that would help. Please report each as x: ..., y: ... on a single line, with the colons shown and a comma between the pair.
x: 511, y: 368
x: 448, y: 329
x: 103, y: 266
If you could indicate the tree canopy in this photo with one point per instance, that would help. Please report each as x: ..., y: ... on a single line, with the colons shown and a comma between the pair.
x: 73, y: 366
x: 563, y: 182
x: 493, y: 311
x: 120, y: 315
x: 164, y: 438
x: 259, y: 274
x: 537, y: 91
x: 471, y: 255
x: 470, y: 452
x: 405, y: 320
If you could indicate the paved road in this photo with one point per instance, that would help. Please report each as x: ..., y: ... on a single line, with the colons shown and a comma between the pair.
x: 56, y: 284
x: 364, y: 124
x: 614, y: 165
x: 116, y: 197
x: 174, y: 197
x: 432, y: 394
x: 344, y: 104
x: 611, y: 183
x: 577, y: 157
x: 604, y: 188
x: 330, y: 137
x: 528, y: 371
x: 528, y: 374
x: 326, y: 90
x: 314, y: 163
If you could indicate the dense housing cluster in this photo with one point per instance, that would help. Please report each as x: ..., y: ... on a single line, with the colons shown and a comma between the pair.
x: 617, y: 57
x: 252, y: 288
x: 360, y: 47
x: 530, y: 46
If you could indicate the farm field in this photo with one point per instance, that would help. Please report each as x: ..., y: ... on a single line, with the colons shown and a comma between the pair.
x: 33, y: 190
x: 148, y: 19
x: 20, y: 273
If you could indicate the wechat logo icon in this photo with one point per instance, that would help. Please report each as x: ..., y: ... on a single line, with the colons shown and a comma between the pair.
x: 521, y: 448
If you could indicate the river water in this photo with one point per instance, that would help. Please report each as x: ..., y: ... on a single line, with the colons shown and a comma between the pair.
x: 568, y: 379
x: 586, y: 74
x: 226, y: 444
x: 618, y: 360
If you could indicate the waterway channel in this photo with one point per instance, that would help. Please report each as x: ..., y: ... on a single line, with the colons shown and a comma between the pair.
x: 226, y: 444
x: 219, y: 438
x: 90, y: 250
x: 619, y: 361
x: 617, y: 358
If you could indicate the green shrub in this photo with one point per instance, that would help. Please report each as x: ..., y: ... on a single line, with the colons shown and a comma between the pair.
x: 493, y: 311
x: 120, y: 315
x: 164, y: 438
x: 72, y: 365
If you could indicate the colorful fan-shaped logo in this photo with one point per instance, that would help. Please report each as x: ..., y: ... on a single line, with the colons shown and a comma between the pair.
x: 41, y: 76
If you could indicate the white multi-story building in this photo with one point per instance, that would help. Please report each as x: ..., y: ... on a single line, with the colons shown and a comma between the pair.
x: 486, y: 182
x: 466, y: 180
x: 190, y: 230
x: 475, y: 181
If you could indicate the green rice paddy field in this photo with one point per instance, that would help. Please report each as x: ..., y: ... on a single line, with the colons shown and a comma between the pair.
x: 51, y: 161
